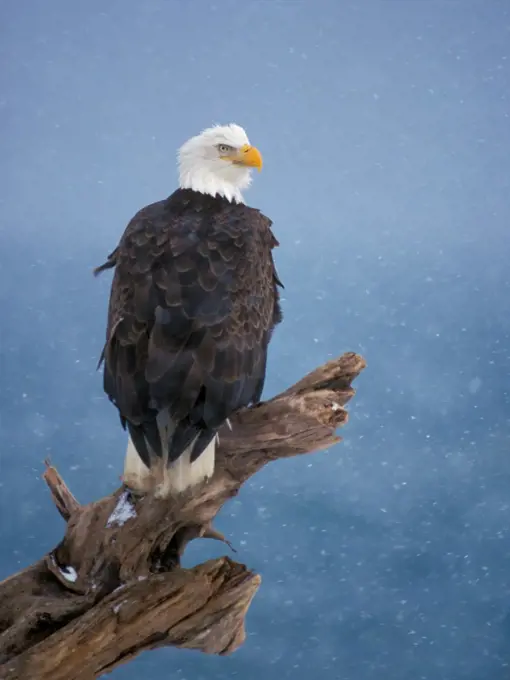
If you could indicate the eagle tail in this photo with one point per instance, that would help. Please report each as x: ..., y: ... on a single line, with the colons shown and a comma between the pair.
x: 137, y: 475
x: 184, y: 473
x: 180, y: 463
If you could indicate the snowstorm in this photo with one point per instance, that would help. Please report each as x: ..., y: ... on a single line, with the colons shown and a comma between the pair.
x: 385, y: 131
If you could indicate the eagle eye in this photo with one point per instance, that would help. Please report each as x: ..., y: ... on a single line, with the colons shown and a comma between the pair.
x: 225, y: 148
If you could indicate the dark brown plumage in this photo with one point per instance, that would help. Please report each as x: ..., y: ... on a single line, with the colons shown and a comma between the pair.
x: 193, y: 304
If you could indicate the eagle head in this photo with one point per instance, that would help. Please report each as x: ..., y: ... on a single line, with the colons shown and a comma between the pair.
x: 218, y: 162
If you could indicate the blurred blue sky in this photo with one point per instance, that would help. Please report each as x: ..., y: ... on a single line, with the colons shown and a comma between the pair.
x: 385, y: 130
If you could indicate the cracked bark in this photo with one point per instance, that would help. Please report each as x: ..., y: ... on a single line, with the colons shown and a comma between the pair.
x: 113, y: 587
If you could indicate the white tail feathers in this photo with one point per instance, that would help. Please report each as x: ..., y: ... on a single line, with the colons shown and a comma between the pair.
x: 167, y: 480
x: 137, y: 475
x: 182, y: 474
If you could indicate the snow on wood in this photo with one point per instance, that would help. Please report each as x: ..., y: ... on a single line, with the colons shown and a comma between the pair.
x: 123, y: 511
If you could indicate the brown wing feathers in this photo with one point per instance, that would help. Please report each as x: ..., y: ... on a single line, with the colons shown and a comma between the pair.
x: 192, y: 307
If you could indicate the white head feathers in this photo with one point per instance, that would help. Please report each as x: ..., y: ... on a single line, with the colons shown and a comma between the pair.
x: 218, y: 162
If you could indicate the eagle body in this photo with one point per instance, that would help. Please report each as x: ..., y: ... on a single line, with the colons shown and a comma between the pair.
x: 193, y: 304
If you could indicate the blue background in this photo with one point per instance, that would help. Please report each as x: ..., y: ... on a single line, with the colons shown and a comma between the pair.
x: 385, y: 130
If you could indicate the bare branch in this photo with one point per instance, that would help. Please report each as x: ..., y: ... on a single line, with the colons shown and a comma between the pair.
x: 201, y: 608
x: 113, y: 587
x: 64, y: 500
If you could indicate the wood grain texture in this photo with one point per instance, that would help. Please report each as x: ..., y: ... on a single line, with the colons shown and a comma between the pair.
x: 114, y: 587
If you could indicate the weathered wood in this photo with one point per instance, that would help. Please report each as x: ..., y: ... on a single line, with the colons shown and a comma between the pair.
x: 114, y: 587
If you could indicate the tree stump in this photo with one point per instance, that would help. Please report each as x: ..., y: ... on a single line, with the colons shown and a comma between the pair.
x: 114, y: 586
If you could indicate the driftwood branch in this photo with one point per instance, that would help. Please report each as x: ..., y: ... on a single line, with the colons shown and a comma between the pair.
x: 114, y: 586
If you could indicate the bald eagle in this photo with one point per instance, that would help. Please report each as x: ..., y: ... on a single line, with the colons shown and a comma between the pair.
x: 193, y: 304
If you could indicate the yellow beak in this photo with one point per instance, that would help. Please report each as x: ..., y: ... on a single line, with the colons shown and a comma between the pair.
x: 250, y: 156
